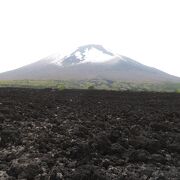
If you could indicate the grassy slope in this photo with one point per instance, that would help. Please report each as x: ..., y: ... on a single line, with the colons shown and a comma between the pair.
x: 93, y: 84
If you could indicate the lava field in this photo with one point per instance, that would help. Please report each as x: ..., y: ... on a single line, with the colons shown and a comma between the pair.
x: 89, y: 135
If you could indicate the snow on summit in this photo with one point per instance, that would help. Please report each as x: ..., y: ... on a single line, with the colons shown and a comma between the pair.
x: 86, y: 54
x: 95, y: 56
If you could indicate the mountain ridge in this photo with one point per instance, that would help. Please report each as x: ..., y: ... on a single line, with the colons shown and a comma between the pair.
x: 89, y: 62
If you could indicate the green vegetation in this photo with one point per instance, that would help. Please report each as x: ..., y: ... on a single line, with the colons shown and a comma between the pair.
x: 93, y: 84
x: 177, y: 90
x: 91, y: 87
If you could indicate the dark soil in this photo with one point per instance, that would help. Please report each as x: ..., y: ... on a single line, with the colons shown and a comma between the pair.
x: 89, y: 135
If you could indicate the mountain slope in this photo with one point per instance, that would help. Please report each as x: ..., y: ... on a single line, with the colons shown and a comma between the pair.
x: 89, y: 62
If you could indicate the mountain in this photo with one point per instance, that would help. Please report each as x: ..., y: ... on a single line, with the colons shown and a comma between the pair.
x: 89, y: 62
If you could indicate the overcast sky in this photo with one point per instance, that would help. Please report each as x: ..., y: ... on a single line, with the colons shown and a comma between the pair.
x: 145, y: 30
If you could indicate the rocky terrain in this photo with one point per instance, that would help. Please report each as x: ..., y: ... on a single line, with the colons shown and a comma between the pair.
x: 89, y: 135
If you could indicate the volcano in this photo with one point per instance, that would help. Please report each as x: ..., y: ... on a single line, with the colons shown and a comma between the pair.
x: 89, y: 62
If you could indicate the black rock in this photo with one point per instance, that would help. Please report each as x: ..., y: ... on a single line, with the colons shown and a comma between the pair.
x: 114, y: 135
x: 10, y: 136
x: 103, y: 144
x: 88, y: 173
x: 75, y: 134
x: 174, y: 147
x: 79, y: 151
x: 157, y: 158
x: 139, y: 156
x: 55, y: 175
x: 117, y: 149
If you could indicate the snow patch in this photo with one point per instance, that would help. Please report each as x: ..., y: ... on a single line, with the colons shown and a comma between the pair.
x: 79, y: 55
x: 87, y: 55
x: 94, y: 55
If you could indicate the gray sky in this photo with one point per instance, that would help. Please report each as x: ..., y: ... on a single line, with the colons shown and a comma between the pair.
x: 145, y: 30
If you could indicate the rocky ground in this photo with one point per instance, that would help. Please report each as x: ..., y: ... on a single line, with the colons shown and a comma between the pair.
x: 89, y: 135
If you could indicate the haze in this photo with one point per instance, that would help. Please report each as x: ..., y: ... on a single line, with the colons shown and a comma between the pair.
x: 147, y: 31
